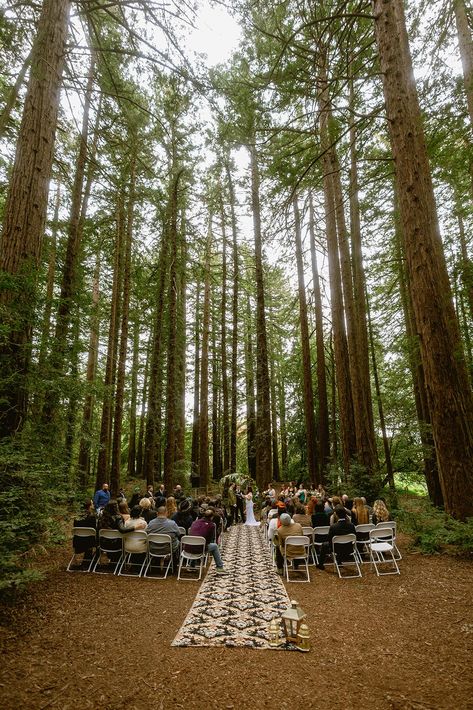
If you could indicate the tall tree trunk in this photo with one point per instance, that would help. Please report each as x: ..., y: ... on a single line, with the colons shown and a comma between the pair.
x: 323, y: 419
x: 250, y: 397
x: 180, y: 452
x: 87, y: 415
x: 45, y: 338
x: 282, y: 426
x: 223, y: 358
x: 446, y: 379
x: 307, y: 388
x: 234, y: 366
x: 366, y: 439
x: 115, y: 473
x: 171, y: 374
x: 465, y: 43
x: 274, y: 423
x: 13, y: 95
x: 263, y: 411
x: 196, y: 412
x: 216, y: 389
x: 71, y: 261
x: 152, y: 456
x: 131, y: 465
x: 144, y: 399
x: 112, y: 345
x: 25, y: 211
x: 417, y: 374
x: 340, y: 345
x: 466, y: 265
x: 204, y: 372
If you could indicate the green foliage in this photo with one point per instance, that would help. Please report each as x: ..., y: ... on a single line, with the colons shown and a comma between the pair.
x: 358, y: 483
x: 432, y: 530
x: 28, y: 502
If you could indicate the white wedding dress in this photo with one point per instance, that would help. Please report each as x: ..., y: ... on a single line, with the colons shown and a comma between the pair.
x: 250, y: 516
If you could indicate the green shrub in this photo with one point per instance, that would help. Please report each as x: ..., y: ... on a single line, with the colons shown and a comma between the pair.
x: 432, y: 530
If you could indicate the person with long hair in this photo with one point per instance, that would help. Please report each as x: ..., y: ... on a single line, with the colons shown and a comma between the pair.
x: 380, y: 512
x: 171, y: 506
x: 250, y: 516
x: 360, y: 514
x: 124, y: 510
x: 112, y: 520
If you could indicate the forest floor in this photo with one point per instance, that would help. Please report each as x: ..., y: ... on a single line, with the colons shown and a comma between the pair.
x: 96, y: 641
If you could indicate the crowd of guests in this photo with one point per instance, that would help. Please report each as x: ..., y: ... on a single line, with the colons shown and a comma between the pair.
x: 296, y: 507
x: 285, y: 513
x: 174, y: 515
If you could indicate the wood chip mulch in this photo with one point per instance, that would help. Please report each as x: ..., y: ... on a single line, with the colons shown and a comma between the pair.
x: 92, y: 641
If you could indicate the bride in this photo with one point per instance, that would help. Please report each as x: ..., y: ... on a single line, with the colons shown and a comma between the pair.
x: 250, y: 516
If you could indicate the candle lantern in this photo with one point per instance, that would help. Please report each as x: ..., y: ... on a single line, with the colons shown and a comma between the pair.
x: 274, y: 633
x: 292, y: 620
x: 303, y: 638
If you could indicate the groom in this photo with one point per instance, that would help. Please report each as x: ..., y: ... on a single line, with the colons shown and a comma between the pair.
x: 240, y: 504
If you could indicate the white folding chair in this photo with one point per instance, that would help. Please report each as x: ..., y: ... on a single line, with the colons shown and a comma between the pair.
x: 110, y: 543
x: 297, y: 541
x: 134, y: 543
x: 381, y: 545
x: 182, y: 531
x: 309, y: 531
x: 197, y: 555
x: 86, y: 540
x: 320, y: 536
x: 392, y: 524
x: 362, y: 539
x: 344, y: 553
x: 159, y: 548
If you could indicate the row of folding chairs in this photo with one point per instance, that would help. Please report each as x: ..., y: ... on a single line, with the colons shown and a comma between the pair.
x: 373, y: 544
x: 137, y: 550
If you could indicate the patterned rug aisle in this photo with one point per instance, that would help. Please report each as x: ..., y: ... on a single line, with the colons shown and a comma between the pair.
x: 235, y: 609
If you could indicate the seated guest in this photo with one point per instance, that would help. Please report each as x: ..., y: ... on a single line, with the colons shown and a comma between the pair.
x: 112, y: 520
x: 205, y: 527
x: 124, y: 511
x: 135, y: 498
x: 150, y: 494
x: 360, y: 514
x: 147, y: 513
x: 336, y: 502
x: 380, y: 512
x: 342, y: 526
x: 161, y: 524
x: 88, y: 519
x: 319, y: 517
x: 171, y: 506
x: 328, y: 506
x: 288, y: 527
x: 101, y: 497
x: 182, y: 517
x: 300, y: 516
x: 135, y: 521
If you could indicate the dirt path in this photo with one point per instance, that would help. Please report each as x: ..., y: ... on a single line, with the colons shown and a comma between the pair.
x: 93, y: 641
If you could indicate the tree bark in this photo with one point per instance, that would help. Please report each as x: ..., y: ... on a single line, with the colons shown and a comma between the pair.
x: 307, y: 387
x: 204, y: 372
x: 13, y: 95
x: 234, y: 365
x: 131, y: 465
x: 25, y: 211
x: 323, y: 418
x: 196, y: 412
x: 465, y: 43
x: 250, y: 397
x: 223, y: 345
x: 446, y: 379
x: 263, y: 411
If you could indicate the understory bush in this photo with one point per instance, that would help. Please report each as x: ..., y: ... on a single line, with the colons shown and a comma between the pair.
x: 432, y: 530
x: 33, y: 499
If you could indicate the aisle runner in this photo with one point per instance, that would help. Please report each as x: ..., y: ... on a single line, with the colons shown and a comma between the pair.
x: 235, y: 609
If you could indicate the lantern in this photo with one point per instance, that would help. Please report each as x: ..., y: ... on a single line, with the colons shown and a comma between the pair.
x: 292, y: 619
x: 274, y: 633
x: 303, y: 638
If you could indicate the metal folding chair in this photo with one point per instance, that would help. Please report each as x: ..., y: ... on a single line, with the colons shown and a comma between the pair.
x: 110, y: 543
x: 309, y: 531
x: 320, y: 536
x: 382, y: 544
x: 198, y: 555
x: 85, y: 539
x: 345, y: 553
x: 134, y: 543
x: 297, y: 541
x: 162, y: 552
x: 362, y: 539
x: 392, y: 524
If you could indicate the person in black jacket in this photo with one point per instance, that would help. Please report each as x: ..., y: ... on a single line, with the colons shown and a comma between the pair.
x: 112, y: 519
x: 341, y: 527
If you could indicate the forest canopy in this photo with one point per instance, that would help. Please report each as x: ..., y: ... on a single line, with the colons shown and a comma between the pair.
x: 261, y: 265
